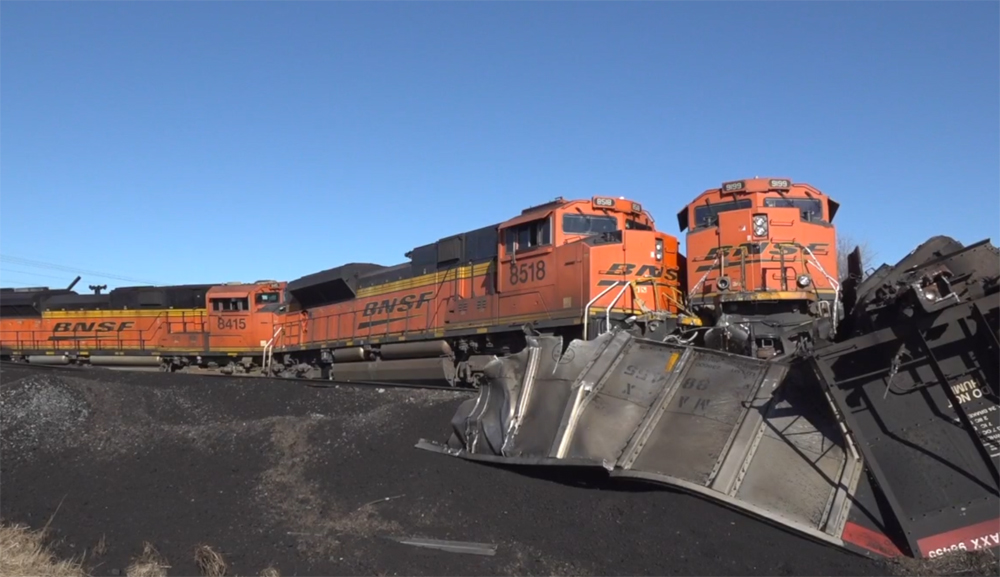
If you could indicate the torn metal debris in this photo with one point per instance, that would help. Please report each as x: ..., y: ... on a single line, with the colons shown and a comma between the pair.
x: 859, y: 445
x: 485, y: 549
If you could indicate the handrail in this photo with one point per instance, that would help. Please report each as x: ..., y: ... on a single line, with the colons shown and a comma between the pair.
x: 627, y: 284
x: 607, y: 316
x: 269, y: 351
x: 586, y: 309
x: 833, y: 283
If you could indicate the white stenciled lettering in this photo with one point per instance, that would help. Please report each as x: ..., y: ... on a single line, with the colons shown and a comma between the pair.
x: 943, y: 550
x: 966, y: 391
x: 986, y: 542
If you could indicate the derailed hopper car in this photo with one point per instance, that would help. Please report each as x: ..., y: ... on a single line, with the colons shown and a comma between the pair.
x: 915, y: 380
x: 884, y: 443
x: 567, y: 267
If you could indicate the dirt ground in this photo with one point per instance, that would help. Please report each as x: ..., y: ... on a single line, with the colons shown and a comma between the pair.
x: 317, y: 481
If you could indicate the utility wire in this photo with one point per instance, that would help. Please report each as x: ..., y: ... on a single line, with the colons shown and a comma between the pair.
x: 38, y: 274
x: 47, y: 265
x: 19, y: 283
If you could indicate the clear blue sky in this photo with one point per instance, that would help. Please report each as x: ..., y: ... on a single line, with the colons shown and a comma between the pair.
x: 181, y: 142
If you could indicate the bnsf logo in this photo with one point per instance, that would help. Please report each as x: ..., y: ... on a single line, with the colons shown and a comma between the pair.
x: 756, y: 252
x: 95, y: 327
x: 645, y: 271
x: 777, y: 249
x: 401, y: 304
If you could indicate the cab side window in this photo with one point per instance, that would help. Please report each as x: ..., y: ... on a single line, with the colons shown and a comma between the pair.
x: 635, y: 225
x: 266, y: 298
x: 231, y: 304
x: 528, y: 235
x: 588, y: 224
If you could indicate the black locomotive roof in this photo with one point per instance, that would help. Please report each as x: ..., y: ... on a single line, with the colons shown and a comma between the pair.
x: 15, y: 304
x: 175, y: 287
x: 343, y: 282
x: 18, y: 298
x: 331, y: 285
x: 77, y: 302
x: 18, y: 303
x: 127, y: 298
x: 189, y: 296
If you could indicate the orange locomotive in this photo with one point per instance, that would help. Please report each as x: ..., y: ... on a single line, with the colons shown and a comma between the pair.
x: 761, y: 265
x: 567, y: 267
x: 222, y: 327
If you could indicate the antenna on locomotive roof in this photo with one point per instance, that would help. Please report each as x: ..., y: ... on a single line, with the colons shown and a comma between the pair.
x: 73, y: 284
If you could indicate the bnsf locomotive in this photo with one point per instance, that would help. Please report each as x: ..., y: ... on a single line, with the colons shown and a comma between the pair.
x: 761, y: 265
x: 568, y: 267
x: 760, y: 279
x: 221, y: 326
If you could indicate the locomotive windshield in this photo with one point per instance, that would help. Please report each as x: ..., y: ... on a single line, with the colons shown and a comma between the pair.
x: 708, y: 214
x: 634, y: 225
x: 265, y: 298
x: 585, y: 224
x: 810, y: 208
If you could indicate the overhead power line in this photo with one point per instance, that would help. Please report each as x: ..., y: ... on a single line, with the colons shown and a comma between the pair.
x: 29, y: 273
x: 19, y: 283
x: 6, y: 259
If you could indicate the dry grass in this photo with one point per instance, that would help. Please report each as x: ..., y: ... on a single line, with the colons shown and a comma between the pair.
x: 101, y: 548
x: 23, y: 552
x: 209, y: 561
x: 973, y: 564
x: 148, y: 564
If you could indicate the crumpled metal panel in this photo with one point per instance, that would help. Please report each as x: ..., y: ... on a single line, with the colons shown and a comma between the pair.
x: 887, y: 441
x: 735, y: 429
x: 918, y: 388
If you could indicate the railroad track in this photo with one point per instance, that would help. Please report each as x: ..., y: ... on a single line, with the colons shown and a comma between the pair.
x: 305, y: 382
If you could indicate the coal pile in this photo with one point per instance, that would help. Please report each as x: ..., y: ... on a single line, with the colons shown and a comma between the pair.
x: 321, y: 481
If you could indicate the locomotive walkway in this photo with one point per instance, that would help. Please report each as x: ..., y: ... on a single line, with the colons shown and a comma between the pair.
x: 318, y: 481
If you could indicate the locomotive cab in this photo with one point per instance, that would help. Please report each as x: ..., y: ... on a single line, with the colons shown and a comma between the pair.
x: 242, y: 317
x: 629, y: 271
x: 762, y: 265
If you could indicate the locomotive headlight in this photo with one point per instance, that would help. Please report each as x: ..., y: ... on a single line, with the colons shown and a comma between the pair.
x: 803, y: 281
x: 760, y: 225
x: 659, y: 249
